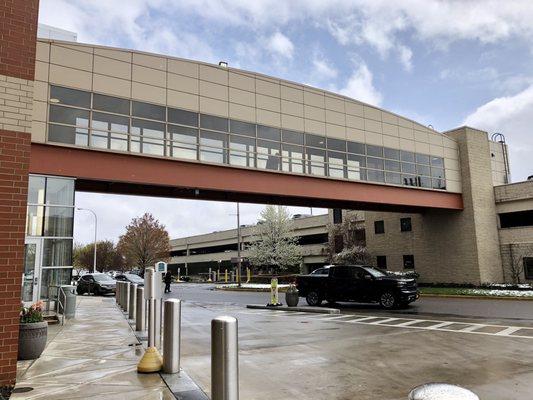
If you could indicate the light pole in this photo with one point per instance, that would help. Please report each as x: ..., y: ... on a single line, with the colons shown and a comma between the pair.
x: 95, y: 229
x: 238, y: 246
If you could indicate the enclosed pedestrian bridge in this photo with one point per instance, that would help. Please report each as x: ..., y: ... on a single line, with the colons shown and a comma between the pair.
x: 122, y: 121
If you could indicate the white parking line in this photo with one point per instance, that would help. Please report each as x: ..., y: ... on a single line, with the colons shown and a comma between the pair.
x: 384, y: 321
x: 508, y: 331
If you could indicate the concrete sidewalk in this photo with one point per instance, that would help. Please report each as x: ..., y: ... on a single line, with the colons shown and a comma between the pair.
x: 93, y: 356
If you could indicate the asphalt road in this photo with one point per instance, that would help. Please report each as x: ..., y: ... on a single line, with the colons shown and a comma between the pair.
x: 516, y: 311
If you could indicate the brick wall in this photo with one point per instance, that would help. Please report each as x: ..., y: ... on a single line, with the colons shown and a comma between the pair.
x: 14, y: 163
x: 18, y: 31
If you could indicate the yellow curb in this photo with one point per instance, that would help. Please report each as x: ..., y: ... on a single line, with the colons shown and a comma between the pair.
x: 466, y: 296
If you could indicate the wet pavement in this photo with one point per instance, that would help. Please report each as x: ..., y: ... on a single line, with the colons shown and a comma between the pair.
x: 93, y: 356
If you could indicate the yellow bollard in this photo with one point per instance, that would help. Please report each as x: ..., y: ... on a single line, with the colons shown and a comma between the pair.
x: 226, y: 276
x: 248, y: 275
x: 151, y: 361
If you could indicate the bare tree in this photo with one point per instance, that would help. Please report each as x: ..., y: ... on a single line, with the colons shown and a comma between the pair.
x: 516, y: 261
x: 346, y: 244
x: 145, y: 242
x: 277, y: 247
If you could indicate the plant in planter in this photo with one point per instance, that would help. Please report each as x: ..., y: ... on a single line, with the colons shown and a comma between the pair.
x: 292, y: 296
x: 33, y: 332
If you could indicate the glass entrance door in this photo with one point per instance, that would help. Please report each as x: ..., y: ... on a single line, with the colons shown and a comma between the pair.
x: 32, y: 273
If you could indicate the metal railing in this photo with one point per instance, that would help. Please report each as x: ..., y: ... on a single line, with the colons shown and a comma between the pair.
x: 61, y: 305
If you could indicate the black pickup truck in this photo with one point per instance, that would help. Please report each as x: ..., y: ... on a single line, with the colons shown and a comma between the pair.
x: 356, y: 283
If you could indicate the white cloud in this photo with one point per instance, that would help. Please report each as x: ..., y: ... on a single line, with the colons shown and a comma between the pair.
x: 406, y: 55
x: 360, y: 86
x: 323, y: 69
x: 512, y: 116
x: 280, y: 45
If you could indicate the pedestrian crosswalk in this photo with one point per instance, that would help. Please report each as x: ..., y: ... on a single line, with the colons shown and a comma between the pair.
x: 463, y: 327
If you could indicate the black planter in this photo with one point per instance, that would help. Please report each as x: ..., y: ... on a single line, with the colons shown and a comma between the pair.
x: 292, y: 298
x: 32, y: 340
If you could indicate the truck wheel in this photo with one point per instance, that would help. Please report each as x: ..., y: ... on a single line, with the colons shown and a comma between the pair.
x: 387, y: 300
x: 313, y: 299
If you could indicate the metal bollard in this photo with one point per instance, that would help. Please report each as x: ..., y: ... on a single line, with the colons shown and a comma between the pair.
x: 157, y: 332
x: 171, y: 336
x: 140, y: 310
x: 127, y: 286
x: 151, y: 322
x: 132, y: 301
x: 441, y: 391
x: 117, y: 292
x: 121, y: 294
x: 224, y: 359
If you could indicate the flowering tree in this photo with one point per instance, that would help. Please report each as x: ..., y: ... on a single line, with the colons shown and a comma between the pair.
x: 277, y: 247
x: 345, y: 246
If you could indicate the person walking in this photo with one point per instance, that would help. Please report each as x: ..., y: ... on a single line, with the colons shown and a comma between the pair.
x: 168, y: 281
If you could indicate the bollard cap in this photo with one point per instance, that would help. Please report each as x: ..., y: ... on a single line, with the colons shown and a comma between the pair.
x: 225, y: 318
x: 441, y: 391
x: 172, y: 301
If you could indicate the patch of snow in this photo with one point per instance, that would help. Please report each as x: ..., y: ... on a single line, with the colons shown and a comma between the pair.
x: 500, y: 292
x: 251, y: 286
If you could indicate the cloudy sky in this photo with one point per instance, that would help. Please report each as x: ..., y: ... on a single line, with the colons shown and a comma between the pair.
x: 444, y: 63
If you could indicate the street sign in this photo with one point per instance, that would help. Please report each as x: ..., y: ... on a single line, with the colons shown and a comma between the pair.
x: 161, y: 266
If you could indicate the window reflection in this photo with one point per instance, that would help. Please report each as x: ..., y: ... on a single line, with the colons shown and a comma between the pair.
x: 268, y: 155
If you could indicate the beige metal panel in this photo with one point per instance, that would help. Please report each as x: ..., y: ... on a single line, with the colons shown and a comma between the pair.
x: 517, y: 205
x: 373, y: 126
x: 40, y: 110
x: 183, y: 100
x: 42, y: 52
x: 183, y: 68
x: 291, y: 122
x: 435, y: 138
x: 71, y: 58
x: 76, y: 46
x: 292, y: 108
x: 421, y: 136
x: 311, y: 126
x: 453, y: 186
x: 241, y: 112
x: 112, y: 86
x: 316, y: 113
x: 355, y: 135
x: 453, y: 175
x: 334, y: 104
x: 389, y: 129
x: 372, y: 113
x: 406, y: 144
x: 40, y: 90
x: 41, y: 71
x: 406, y: 133
x: 144, y: 92
x: 269, y: 88
x: 182, y: 83
x: 241, y: 97
x: 451, y: 153
x: 242, y: 82
x: 389, y: 118
x: 213, y: 90
x: 38, y: 131
x: 335, y: 131
x: 374, y: 138
x: 447, y: 142
x: 150, y: 61
x: 119, y: 55
x: 214, y: 74
x: 292, y: 93
x: 313, y: 98
x: 436, y: 150
x: 266, y: 117
x: 335, y: 117
x: 70, y: 77
x: 353, y: 108
x: 215, y: 107
x: 405, y: 123
x: 267, y: 102
x: 391, y: 141
x: 150, y: 76
x: 451, y: 163
x: 355, y: 122
x: 421, y: 147
x: 112, y: 67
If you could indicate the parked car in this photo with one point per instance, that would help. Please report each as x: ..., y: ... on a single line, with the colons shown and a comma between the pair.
x: 96, y: 283
x: 358, y: 283
x: 132, y: 278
